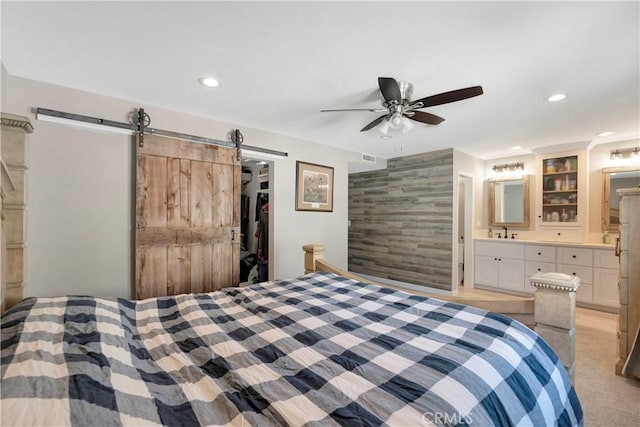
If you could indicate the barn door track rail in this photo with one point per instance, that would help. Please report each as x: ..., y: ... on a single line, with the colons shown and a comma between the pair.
x: 140, y: 122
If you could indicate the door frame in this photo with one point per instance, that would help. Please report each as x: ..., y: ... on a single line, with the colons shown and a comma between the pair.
x: 467, y: 215
x: 272, y: 206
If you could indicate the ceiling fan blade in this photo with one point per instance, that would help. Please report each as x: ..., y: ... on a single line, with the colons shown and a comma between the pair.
x: 451, y: 96
x: 373, y: 123
x: 372, y: 110
x: 390, y: 89
x: 422, y: 117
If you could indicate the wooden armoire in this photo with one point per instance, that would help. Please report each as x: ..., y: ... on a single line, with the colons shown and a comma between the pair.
x: 13, y: 185
x: 629, y: 278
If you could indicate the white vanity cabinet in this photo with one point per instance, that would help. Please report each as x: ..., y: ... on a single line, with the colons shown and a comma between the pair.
x: 500, y: 265
x: 508, y: 266
x: 605, y: 277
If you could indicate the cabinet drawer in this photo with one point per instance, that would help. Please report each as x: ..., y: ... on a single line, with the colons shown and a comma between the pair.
x: 575, y: 256
x: 560, y: 234
x: 533, y: 267
x: 500, y: 250
x: 584, y: 293
x: 605, y: 258
x: 540, y: 253
x: 584, y: 273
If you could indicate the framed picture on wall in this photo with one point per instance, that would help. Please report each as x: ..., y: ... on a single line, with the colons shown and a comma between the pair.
x: 314, y: 187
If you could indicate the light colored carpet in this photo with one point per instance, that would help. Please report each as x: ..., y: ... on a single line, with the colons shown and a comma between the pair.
x: 607, y: 399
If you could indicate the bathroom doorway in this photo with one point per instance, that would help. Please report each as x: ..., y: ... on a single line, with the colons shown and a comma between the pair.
x: 465, y: 231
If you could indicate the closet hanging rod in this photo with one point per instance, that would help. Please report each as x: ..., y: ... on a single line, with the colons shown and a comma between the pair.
x: 104, y: 125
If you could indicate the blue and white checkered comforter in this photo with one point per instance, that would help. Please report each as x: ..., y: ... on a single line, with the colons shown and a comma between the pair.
x: 319, y: 350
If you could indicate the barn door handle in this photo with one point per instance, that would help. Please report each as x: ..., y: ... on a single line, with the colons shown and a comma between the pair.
x: 233, y: 235
x: 617, y: 250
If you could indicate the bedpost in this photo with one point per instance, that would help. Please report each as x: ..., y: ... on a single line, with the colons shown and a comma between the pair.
x: 312, y: 253
x: 555, y: 314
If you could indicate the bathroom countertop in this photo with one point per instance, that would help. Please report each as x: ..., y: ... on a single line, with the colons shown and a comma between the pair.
x: 585, y: 245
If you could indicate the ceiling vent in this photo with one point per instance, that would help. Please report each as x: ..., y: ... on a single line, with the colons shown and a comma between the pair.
x: 367, y: 158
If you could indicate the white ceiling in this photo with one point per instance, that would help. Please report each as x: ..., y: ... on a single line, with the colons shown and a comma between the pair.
x: 281, y: 63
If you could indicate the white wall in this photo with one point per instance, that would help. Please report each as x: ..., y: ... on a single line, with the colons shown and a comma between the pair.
x: 467, y: 165
x: 3, y: 77
x: 80, y: 190
x: 470, y: 165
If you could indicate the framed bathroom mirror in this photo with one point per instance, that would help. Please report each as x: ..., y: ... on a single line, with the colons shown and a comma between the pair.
x: 509, y: 202
x: 614, y: 179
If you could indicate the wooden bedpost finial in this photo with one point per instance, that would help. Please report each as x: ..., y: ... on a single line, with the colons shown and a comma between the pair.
x: 312, y: 252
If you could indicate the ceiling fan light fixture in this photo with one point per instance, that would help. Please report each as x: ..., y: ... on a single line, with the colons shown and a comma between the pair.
x: 407, y: 125
x: 384, y: 127
x: 396, y: 120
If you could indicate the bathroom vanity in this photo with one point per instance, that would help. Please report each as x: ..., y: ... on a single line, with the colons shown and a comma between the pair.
x: 505, y: 265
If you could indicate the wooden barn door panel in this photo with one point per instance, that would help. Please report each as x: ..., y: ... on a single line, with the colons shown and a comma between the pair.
x: 151, y: 266
x: 187, y: 217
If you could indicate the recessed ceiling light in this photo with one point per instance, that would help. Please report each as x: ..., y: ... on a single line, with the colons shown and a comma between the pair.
x: 516, y: 147
x: 607, y: 133
x: 557, y: 97
x: 386, y: 136
x: 208, y: 82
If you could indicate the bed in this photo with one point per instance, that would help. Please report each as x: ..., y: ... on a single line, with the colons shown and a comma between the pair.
x: 321, y: 349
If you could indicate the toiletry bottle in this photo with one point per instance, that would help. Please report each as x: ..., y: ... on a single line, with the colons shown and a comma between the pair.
x: 490, y: 233
x: 606, y: 239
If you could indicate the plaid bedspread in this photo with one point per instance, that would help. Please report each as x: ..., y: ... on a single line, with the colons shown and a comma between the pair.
x: 319, y: 350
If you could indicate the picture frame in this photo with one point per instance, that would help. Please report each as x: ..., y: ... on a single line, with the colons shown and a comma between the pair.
x: 314, y: 187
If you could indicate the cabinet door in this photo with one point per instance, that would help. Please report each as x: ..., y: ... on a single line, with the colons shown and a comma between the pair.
x: 605, y: 258
x: 605, y: 287
x: 584, y: 293
x: 511, y: 274
x: 560, y: 190
x: 486, y: 270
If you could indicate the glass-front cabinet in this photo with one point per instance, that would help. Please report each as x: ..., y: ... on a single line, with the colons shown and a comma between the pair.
x: 560, y: 190
x: 562, y: 196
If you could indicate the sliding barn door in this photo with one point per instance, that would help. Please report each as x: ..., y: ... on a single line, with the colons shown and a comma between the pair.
x: 187, y: 235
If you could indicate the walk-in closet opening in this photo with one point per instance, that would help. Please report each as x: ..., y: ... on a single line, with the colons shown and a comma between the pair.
x: 255, y: 205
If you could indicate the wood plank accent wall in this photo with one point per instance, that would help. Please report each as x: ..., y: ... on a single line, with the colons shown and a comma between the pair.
x: 402, y: 220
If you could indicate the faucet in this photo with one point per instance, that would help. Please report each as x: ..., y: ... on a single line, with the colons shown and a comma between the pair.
x: 506, y: 235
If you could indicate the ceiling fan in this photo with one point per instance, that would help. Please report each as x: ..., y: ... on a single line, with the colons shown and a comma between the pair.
x: 398, y: 107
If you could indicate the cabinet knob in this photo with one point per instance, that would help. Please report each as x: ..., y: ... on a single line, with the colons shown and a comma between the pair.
x: 573, y: 256
x: 499, y: 259
x: 539, y: 216
x: 573, y: 274
x: 539, y: 269
x: 559, y: 234
x: 539, y: 253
